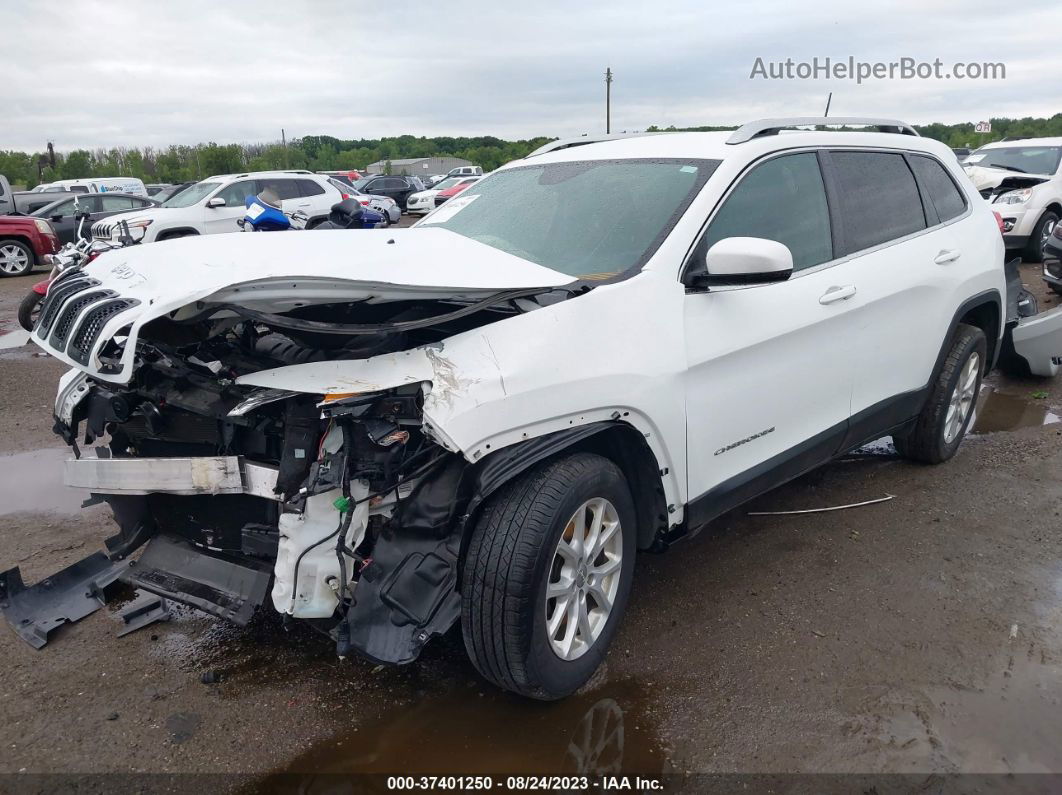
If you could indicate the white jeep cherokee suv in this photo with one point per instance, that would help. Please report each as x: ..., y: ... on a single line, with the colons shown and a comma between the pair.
x: 594, y: 351
x: 1022, y: 181
x: 215, y: 205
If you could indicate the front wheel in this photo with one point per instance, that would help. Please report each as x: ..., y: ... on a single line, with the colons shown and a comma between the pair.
x: 940, y: 428
x: 547, y: 576
x: 29, y: 309
x: 1034, y: 249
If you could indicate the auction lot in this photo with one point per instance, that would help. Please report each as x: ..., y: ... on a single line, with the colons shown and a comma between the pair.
x: 917, y: 635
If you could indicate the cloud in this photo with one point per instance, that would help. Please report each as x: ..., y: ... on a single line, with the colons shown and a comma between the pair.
x: 91, y: 74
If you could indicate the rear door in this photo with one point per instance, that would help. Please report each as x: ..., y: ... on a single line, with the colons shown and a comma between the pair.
x: 769, y: 366
x: 904, y: 265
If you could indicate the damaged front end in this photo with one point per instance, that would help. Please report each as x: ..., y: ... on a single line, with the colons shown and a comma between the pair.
x: 340, y: 504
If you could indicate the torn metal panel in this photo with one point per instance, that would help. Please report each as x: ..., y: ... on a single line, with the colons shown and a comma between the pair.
x: 66, y: 596
x: 212, y: 583
x: 144, y: 610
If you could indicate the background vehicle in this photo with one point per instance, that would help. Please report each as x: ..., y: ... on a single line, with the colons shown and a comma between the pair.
x: 445, y: 195
x: 398, y: 188
x: 1022, y: 180
x: 28, y: 202
x: 348, y: 177
x: 382, y: 204
x: 214, y: 205
x: 130, y: 185
x: 169, y: 191
x: 24, y: 242
x: 65, y: 217
x: 424, y: 201
x: 466, y: 171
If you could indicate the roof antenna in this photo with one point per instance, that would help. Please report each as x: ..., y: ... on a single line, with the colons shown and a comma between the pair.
x: 829, y: 99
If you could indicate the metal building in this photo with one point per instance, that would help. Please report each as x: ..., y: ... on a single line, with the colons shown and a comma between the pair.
x: 418, y: 166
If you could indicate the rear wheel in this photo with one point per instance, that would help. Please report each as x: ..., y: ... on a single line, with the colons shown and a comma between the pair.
x: 547, y: 576
x: 16, y: 259
x: 940, y: 428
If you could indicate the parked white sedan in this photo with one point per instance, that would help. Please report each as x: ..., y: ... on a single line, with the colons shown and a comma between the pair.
x: 423, y: 202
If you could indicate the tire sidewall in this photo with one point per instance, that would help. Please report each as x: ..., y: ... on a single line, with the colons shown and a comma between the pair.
x: 30, y: 302
x: 554, y: 676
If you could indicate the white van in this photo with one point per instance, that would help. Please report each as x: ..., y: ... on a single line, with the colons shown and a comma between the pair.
x: 100, y: 185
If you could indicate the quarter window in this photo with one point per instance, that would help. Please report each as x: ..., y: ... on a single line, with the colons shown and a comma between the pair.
x: 945, y: 195
x: 117, y: 203
x: 782, y: 200
x: 879, y: 199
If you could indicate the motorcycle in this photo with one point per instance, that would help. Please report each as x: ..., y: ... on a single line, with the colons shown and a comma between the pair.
x: 71, y: 256
x: 264, y: 214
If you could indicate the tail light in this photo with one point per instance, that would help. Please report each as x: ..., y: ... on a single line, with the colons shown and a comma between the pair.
x: 345, y: 195
x: 365, y: 202
x: 999, y: 221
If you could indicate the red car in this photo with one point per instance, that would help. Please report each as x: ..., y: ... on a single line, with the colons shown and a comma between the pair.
x: 24, y: 242
x: 444, y: 196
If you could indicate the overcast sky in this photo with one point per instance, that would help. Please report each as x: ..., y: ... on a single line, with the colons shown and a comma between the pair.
x: 92, y: 74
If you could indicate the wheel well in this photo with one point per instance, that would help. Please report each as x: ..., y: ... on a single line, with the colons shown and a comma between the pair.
x: 179, y: 232
x: 985, y: 317
x: 24, y: 241
x: 1056, y: 208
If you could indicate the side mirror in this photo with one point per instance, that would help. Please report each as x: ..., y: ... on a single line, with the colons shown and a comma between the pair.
x: 217, y: 201
x: 56, y: 218
x: 746, y: 260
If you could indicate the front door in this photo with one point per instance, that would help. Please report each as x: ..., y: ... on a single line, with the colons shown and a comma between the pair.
x: 223, y: 219
x: 769, y: 377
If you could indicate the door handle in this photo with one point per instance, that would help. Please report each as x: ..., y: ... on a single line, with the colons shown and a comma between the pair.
x: 947, y: 255
x: 836, y: 293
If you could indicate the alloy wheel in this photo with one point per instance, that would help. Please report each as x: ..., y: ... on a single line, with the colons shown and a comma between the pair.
x: 13, y: 260
x: 963, y: 397
x: 584, y: 578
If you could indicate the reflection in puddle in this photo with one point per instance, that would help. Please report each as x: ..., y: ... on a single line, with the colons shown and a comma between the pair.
x: 480, y: 731
x: 999, y: 411
x: 33, y: 481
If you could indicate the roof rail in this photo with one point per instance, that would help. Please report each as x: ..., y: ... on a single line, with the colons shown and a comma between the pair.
x: 756, y: 129
x: 567, y: 143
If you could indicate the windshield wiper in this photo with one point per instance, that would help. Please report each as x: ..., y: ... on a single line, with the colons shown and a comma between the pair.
x: 1008, y: 168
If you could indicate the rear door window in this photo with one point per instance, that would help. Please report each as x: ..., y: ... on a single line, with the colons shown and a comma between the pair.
x: 879, y: 199
x: 782, y: 200
x: 945, y: 195
x: 117, y: 203
x: 307, y: 187
x: 283, y: 188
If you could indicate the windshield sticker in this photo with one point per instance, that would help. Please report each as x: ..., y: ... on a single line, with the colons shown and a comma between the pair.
x: 450, y: 209
x: 688, y: 169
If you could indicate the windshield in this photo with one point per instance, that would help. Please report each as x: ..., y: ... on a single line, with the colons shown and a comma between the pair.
x: 1020, y: 159
x: 189, y: 196
x: 591, y: 219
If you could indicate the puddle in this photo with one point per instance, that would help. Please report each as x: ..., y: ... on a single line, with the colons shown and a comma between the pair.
x: 1000, y: 411
x: 33, y: 481
x: 479, y: 730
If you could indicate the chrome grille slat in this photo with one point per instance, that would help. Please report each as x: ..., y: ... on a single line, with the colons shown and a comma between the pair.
x: 71, y: 310
x: 57, y: 294
x: 89, y: 331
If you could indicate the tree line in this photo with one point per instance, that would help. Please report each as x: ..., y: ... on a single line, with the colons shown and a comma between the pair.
x: 326, y: 153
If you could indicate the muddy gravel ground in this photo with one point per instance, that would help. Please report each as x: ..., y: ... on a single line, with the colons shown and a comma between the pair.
x: 919, y: 635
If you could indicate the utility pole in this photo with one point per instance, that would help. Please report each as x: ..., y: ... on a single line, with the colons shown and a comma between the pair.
x: 608, y: 100
x: 284, y: 141
x: 829, y: 99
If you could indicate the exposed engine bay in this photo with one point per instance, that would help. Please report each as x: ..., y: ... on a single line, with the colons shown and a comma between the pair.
x: 340, y: 507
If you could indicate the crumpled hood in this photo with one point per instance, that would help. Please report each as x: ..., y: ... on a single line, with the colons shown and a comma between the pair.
x: 273, y: 272
x: 983, y: 177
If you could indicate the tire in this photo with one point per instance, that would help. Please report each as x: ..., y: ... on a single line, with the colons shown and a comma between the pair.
x: 1034, y: 249
x: 513, y: 555
x: 1055, y: 288
x: 16, y: 258
x: 28, y: 310
x: 937, y: 434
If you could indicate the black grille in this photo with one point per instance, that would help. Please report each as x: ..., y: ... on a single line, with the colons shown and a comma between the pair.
x: 57, y: 294
x: 92, y: 325
x: 69, y: 314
